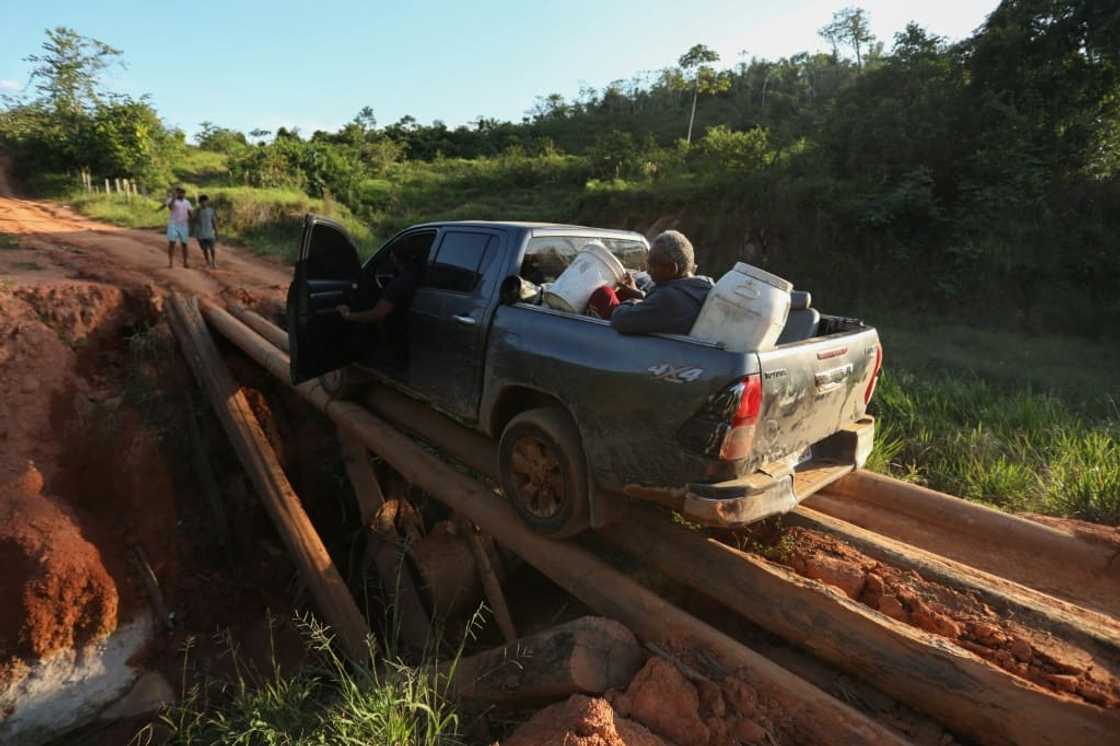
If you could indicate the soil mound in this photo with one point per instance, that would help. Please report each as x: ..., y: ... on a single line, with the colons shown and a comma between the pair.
x: 57, y: 593
x: 693, y: 713
x: 582, y: 721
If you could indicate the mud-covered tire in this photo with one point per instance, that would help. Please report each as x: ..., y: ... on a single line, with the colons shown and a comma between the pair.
x: 344, y: 384
x: 543, y: 471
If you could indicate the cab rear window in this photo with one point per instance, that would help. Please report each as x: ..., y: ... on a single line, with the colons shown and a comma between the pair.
x: 547, y: 256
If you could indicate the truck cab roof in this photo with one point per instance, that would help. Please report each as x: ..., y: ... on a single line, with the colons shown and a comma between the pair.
x: 535, y: 229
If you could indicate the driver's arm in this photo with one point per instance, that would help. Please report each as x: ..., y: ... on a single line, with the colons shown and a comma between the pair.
x: 395, y: 294
x: 379, y: 311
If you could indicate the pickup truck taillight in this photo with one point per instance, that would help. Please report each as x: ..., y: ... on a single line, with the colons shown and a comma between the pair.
x: 874, y: 375
x: 739, y: 438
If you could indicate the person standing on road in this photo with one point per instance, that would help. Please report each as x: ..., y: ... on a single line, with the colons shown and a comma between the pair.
x: 178, y: 224
x: 206, y: 230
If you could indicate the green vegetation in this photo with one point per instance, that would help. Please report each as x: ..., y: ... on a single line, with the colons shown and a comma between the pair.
x: 1001, y: 418
x: 1015, y: 449
x: 326, y: 702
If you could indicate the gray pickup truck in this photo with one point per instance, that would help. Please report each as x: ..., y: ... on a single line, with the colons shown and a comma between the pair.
x: 583, y: 415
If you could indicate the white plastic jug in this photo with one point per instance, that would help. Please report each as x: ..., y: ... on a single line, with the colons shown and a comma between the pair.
x: 745, y: 311
x: 593, y: 267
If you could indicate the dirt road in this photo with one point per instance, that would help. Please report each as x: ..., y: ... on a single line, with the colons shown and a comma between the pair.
x: 57, y: 242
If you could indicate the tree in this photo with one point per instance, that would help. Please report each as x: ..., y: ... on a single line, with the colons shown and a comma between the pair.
x: 851, y: 26
x: 365, y: 119
x: 67, y: 73
x: 219, y: 139
x: 704, y: 77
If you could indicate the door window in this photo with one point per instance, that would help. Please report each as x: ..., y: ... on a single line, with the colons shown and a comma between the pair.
x: 330, y: 255
x: 458, y: 263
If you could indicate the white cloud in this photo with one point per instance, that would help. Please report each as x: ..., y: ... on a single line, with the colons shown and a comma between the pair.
x: 9, y: 86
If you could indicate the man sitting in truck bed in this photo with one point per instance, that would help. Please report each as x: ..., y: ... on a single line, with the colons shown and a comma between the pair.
x: 673, y: 304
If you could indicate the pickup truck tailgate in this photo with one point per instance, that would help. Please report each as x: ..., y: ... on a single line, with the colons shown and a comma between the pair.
x: 811, y: 389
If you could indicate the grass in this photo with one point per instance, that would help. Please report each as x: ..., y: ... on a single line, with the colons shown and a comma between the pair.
x: 328, y: 701
x: 8, y: 242
x: 508, y: 187
x: 201, y: 168
x: 1021, y: 423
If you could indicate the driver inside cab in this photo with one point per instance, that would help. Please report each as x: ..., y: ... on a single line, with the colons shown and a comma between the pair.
x: 396, y: 294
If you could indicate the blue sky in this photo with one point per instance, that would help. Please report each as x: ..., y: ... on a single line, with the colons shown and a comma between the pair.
x: 315, y: 64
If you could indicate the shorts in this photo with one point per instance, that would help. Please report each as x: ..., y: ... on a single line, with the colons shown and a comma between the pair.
x: 206, y: 243
x: 177, y: 232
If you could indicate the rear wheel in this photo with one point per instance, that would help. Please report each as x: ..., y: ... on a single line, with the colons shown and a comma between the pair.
x: 544, y: 473
x: 345, y: 383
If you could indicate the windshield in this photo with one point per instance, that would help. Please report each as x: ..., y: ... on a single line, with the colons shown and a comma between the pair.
x: 547, y: 256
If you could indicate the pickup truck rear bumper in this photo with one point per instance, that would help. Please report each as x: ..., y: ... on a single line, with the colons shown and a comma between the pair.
x: 773, y: 489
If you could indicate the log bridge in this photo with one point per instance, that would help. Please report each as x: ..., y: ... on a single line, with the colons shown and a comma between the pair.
x: 1051, y: 580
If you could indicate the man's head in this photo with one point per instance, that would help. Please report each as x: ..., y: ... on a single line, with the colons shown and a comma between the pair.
x: 203, y: 200
x: 180, y: 193
x: 670, y: 257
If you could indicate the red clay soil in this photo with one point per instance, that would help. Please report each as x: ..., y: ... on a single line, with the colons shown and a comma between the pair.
x: 904, y: 595
x: 57, y: 586
x: 660, y: 706
x: 581, y: 721
x: 698, y: 712
x: 56, y: 592
x: 63, y: 240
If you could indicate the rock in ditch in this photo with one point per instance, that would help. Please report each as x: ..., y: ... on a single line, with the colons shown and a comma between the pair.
x: 582, y: 721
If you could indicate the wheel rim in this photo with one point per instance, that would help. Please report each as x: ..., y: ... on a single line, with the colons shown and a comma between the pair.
x: 538, y: 477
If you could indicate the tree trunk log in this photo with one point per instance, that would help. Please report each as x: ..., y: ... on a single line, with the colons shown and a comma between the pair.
x: 259, y: 460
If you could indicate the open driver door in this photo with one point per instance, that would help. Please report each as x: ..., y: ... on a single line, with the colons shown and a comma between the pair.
x: 327, y: 275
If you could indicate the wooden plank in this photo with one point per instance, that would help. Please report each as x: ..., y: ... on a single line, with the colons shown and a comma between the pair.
x: 260, y: 325
x: 966, y: 693
x: 312, y: 560
x: 816, y: 475
x: 822, y: 718
x: 491, y: 584
x: 367, y: 490
x: 385, y: 551
x: 409, y: 619
x: 1037, y: 556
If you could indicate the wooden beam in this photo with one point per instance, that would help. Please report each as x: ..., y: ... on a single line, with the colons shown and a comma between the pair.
x: 314, y: 563
x: 491, y: 584
x: 930, y: 673
x: 367, y: 490
x: 260, y: 325
x: 610, y: 593
x: 1037, y: 556
x: 586, y: 656
x: 385, y: 550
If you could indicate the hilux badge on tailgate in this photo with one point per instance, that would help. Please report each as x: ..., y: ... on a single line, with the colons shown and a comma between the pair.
x: 681, y: 374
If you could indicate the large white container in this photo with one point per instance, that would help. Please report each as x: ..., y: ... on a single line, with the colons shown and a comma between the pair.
x: 593, y: 267
x: 745, y: 311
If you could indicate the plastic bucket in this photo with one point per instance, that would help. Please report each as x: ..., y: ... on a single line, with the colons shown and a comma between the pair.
x: 745, y: 311
x: 593, y: 267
